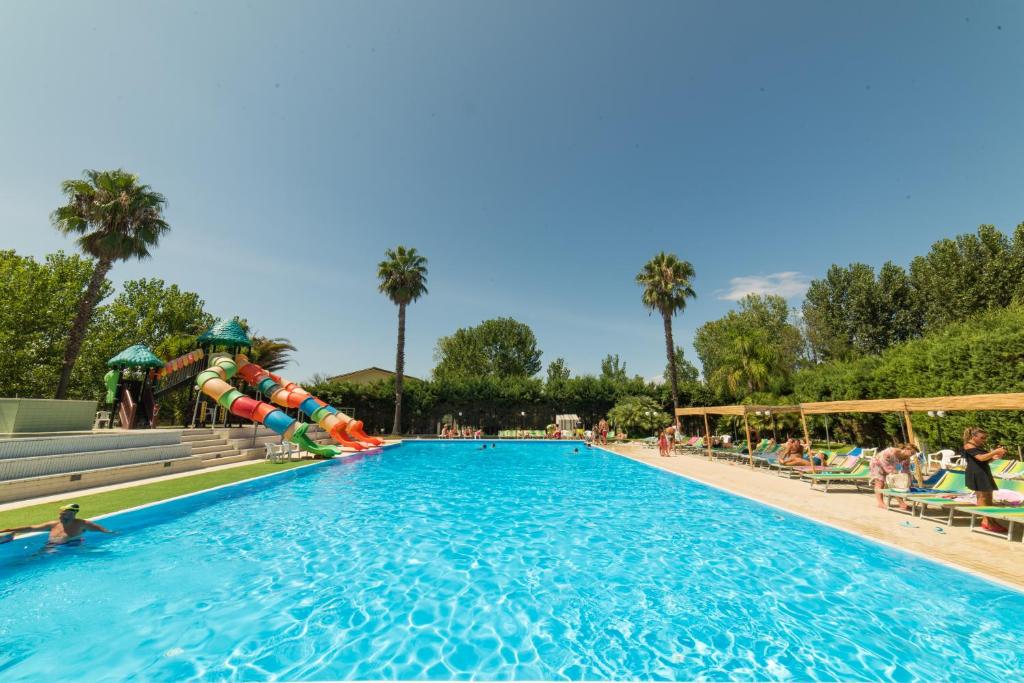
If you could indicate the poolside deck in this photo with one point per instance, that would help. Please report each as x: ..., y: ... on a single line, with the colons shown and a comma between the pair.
x: 856, y: 512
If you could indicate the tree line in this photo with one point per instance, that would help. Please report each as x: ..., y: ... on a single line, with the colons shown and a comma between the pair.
x: 949, y: 323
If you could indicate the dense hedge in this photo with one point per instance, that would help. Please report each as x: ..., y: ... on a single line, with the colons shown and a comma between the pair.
x: 979, y: 356
x: 494, y: 403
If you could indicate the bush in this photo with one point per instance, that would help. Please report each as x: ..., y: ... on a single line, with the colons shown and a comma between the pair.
x: 980, y: 356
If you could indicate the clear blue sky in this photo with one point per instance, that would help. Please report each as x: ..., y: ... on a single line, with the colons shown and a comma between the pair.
x: 536, y: 153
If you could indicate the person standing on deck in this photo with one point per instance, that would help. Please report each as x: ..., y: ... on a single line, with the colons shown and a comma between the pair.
x: 978, y: 476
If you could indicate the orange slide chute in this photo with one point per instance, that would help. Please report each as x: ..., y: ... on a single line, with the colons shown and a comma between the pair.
x: 341, y: 427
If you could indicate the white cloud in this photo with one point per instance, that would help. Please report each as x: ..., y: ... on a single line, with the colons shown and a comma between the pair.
x: 787, y: 285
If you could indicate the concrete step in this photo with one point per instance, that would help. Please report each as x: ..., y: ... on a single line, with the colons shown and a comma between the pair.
x: 203, y: 443
x: 212, y: 448
x: 237, y: 457
x: 191, y: 435
x: 219, y: 455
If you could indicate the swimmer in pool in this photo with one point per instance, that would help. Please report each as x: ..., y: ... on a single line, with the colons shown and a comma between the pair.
x: 66, y: 528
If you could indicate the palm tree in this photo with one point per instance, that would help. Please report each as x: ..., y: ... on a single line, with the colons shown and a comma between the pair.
x: 403, y: 277
x: 271, y: 353
x: 747, y: 367
x: 116, y: 219
x: 667, y: 285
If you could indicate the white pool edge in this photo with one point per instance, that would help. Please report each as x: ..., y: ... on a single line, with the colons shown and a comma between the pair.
x: 315, y: 463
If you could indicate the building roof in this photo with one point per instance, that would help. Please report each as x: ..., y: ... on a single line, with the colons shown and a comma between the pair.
x: 356, y: 375
x: 227, y: 332
x: 137, y: 356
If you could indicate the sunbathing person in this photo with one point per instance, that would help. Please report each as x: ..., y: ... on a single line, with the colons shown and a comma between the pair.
x: 796, y: 454
x: 66, y: 528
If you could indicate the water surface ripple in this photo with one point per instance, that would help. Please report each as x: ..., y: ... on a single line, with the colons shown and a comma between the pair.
x: 441, y: 561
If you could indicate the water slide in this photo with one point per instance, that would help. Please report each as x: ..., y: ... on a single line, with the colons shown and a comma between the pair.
x: 341, y: 427
x: 214, y: 383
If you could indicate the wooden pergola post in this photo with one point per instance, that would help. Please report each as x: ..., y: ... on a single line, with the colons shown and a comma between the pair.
x: 707, y: 434
x: 913, y: 440
x: 807, y: 438
x: 750, y: 443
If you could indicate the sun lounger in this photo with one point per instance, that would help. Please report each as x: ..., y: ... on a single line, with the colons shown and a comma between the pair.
x: 843, y: 464
x: 767, y: 455
x: 728, y: 452
x: 938, y: 492
x: 947, y: 503
x: 1010, y: 516
x: 858, y: 477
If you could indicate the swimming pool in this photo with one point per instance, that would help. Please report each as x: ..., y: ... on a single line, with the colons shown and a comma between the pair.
x: 437, y: 560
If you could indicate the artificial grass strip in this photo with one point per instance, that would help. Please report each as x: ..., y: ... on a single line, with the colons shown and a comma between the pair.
x: 122, y: 499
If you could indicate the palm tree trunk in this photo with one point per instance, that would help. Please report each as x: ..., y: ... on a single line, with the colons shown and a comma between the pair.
x: 399, y: 370
x: 77, y: 334
x: 670, y: 350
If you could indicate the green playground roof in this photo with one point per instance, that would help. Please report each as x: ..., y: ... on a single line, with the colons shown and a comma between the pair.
x: 137, y: 356
x: 227, y: 332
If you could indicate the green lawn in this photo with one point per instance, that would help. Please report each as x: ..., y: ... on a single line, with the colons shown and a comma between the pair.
x: 112, y: 501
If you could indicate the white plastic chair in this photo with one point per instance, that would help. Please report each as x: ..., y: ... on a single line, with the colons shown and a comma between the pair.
x: 293, y: 450
x: 102, y: 419
x: 275, y: 452
x: 948, y: 459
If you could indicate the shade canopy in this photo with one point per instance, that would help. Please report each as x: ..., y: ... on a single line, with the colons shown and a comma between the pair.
x: 737, y: 410
x: 137, y: 356
x: 877, y: 405
x: 226, y: 332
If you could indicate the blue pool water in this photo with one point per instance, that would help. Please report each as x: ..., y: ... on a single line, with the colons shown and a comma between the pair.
x: 440, y: 561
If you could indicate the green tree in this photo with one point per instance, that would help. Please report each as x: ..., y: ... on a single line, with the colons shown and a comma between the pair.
x: 685, y: 370
x: 39, y: 299
x: 751, y: 350
x: 613, y: 369
x: 971, y: 273
x: 403, y: 278
x: 852, y: 312
x: 667, y: 284
x: 639, y: 414
x: 271, y: 353
x: 501, y: 347
x: 146, y: 311
x: 557, y: 371
x: 116, y: 219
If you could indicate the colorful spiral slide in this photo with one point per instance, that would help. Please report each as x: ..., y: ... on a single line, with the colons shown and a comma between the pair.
x: 341, y: 427
x: 214, y: 383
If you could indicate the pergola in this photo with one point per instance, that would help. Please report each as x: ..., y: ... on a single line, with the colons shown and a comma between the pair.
x: 904, y: 406
x: 738, y: 410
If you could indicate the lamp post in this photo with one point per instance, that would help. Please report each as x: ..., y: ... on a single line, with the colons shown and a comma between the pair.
x: 938, y: 423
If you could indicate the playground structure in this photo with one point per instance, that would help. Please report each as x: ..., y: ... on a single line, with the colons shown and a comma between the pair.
x: 139, y: 379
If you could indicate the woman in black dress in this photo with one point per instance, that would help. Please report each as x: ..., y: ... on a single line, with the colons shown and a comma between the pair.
x: 978, y: 476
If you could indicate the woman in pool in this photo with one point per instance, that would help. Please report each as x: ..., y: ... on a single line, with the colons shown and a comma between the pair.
x: 978, y: 476
x: 890, y: 461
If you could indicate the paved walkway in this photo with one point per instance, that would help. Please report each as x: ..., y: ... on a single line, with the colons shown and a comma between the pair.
x: 854, y: 512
